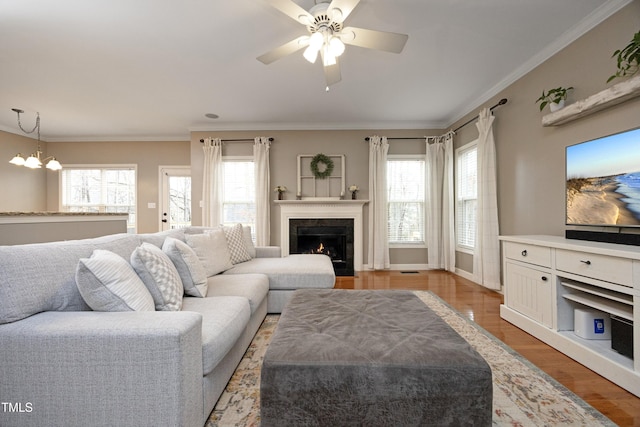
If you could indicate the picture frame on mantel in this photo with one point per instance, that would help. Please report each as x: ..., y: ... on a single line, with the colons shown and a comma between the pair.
x: 331, y: 187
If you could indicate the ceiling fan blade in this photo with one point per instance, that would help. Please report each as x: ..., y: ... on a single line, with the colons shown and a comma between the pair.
x: 284, y: 50
x: 291, y: 9
x: 332, y: 73
x: 345, y: 7
x: 371, y: 39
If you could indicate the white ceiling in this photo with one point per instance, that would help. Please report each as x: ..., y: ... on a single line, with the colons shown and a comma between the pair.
x: 151, y: 69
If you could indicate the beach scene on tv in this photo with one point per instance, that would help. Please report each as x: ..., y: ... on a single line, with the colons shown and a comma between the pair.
x: 603, y: 181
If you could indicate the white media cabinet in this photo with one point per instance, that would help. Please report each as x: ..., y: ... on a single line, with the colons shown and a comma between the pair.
x: 547, y: 277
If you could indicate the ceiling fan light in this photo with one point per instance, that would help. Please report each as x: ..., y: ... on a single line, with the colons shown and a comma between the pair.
x: 336, y: 46
x: 316, y: 40
x: 310, y: 54
x: 18, y: 160
x: 33, y: 162
x: 54, y: 165
x: 328, y: 58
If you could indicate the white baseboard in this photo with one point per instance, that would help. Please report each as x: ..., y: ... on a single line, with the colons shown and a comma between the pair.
x: 465, y: 274
x: 401, y: 267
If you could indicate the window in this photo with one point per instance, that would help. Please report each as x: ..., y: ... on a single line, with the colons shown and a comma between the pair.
x: 466, y: 196
x: 239, y: 192
x: 406, y: 198
x: 100, y: 189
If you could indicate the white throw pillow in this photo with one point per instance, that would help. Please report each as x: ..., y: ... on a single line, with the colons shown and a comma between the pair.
x: 107, y: 282
x: 211, y: 248
x: 190, y: 269
x: 248, y: 241
x: 159, y: 276
x: 236, y: 243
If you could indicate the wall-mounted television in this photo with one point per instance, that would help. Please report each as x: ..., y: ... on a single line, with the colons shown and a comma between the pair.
x: 603, y: 181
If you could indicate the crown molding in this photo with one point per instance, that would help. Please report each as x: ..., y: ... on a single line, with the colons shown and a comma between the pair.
x: 264, y: 126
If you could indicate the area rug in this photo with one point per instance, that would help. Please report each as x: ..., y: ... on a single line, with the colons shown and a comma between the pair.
x: 523, y: 395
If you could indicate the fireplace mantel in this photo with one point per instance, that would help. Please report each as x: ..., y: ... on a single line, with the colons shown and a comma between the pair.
x: 324, y: 208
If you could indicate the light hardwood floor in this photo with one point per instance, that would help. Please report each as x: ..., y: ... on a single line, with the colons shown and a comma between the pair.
x: 483, y: 307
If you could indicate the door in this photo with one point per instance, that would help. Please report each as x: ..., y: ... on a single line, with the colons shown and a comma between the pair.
x: 175, y: 197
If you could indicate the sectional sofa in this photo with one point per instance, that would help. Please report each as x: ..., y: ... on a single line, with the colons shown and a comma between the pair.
x: 136, y: 330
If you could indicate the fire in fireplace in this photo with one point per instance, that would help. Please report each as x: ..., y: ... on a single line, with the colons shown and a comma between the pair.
x: 331, y: 237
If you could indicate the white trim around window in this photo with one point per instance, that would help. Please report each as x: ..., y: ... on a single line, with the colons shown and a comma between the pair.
x: 466, y: 196
x: 103, y: 205
x: 417, y: 244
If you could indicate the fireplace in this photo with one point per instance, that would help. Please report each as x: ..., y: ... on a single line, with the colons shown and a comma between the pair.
x: 329, y: 236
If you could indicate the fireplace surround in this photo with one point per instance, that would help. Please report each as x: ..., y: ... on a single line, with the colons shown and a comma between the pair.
x: 324, y: 209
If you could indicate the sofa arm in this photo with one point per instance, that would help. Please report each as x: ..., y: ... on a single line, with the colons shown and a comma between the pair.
x: 90, y: 368
x: 268, y: 252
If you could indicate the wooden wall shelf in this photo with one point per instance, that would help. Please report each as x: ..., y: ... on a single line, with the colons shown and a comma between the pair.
x: 614, y: 95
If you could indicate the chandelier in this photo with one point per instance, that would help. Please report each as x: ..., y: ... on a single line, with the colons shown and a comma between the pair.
x: 34, y: 161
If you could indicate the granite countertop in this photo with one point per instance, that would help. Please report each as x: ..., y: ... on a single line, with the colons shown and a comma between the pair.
x: 62, y: 213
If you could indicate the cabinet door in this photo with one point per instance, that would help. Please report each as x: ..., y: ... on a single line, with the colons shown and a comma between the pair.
x: 529, y: 292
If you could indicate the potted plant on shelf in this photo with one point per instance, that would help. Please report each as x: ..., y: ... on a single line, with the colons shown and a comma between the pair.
x: 554, y: 97
x: 628, y: 58
x: 280, y: 189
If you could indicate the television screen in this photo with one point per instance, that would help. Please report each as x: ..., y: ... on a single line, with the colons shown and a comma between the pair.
x: 603, y: 181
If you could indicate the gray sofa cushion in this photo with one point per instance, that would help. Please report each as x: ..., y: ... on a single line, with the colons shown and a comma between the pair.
x: 224, y: 319
x: 291, y: 272
x: 254, y: 287
x: 41, y: 277
x: 158, y: 239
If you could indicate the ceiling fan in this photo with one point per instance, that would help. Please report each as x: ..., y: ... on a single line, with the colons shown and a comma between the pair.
x: 327, y: 35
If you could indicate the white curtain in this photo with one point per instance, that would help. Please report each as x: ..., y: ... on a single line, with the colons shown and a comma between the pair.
x: 378, y: 254
x: 212, y: 183
x: 440, y: 231
x: 263, y: 210
x: 486, y: 258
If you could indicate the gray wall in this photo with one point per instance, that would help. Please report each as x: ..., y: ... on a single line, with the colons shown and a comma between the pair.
x: 531, y: 157
x: 21, y: 189
x: 283, y: 158
x: 147, y: 155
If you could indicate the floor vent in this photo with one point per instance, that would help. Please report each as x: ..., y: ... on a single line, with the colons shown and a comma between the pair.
x: 408, y: 272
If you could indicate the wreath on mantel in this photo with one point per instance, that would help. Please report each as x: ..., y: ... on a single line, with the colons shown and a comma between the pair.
x: 326, y: 161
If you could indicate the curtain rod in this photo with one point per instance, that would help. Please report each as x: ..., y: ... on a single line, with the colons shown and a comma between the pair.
x: 501, y: 102
x: 271, y: 139
x: 408, y: 137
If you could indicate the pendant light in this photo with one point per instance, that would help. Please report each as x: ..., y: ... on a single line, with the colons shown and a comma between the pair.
x: 34, y: 161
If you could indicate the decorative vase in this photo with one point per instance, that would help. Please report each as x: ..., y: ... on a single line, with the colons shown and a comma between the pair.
x: 353, y: 195
x: 280, y: 195
x: 555, y: 106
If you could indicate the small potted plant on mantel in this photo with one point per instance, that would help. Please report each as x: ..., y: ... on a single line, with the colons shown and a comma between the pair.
x: 280, y: 189
x: 555, y: 98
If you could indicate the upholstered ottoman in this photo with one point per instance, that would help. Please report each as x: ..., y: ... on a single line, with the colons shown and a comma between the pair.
x: 370, y: 358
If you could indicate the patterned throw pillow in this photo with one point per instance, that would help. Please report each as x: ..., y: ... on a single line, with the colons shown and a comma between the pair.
x: 159, y: 276
x: 190, y: 269
x: 107, y: 282
x: 236, y: 243
x: 212, y: 251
